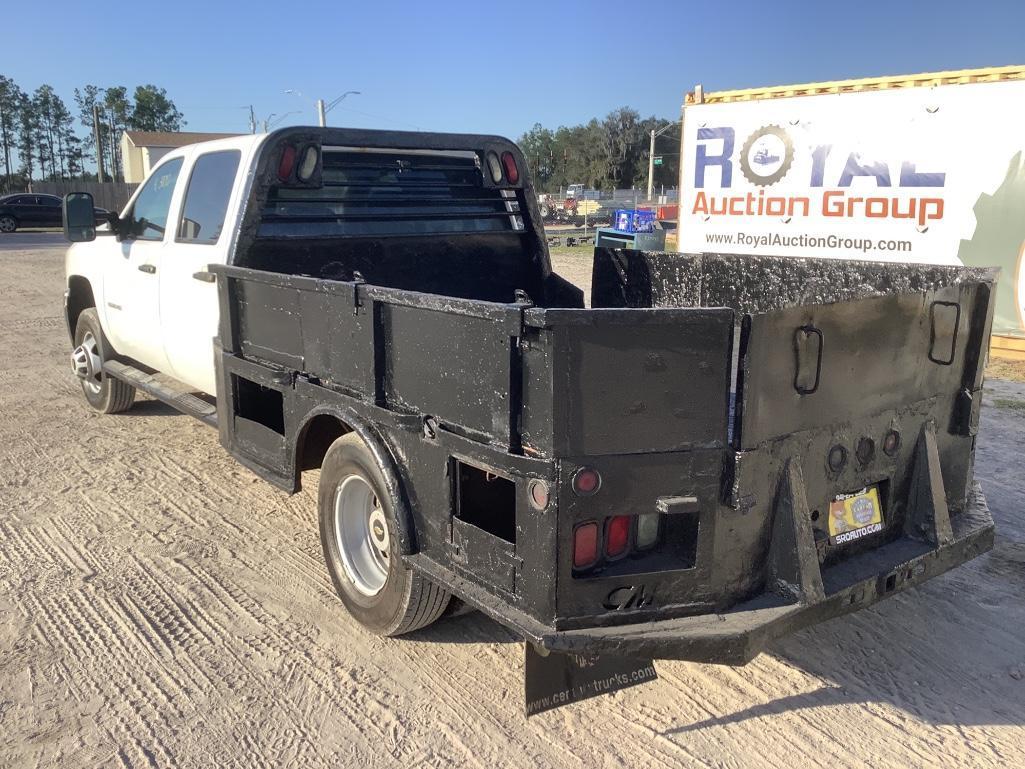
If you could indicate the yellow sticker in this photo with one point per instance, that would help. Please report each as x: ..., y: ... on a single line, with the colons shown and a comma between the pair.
x: 853, y: 516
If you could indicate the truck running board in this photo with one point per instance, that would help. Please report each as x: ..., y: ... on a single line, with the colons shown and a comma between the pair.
x: 182, y: 400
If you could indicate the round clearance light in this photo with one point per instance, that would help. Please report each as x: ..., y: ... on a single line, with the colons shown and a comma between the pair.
x: 537, y: 490
x: 866, y: 450
x: 585, y: 545
x: 586, y: 481
x: 617, y: 535
x: 891, y: 443
x: 287, y: 163
x: 311, y: 155
x: 837, y: 458
x: 512, y: 173
x: 495, y: 168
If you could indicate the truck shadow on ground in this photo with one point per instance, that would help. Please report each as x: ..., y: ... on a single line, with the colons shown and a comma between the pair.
x: 471, y: 627
x: 948, y: 653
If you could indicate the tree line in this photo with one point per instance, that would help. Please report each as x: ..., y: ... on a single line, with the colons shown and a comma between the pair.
x: 607, y: 154
x: 42, y: 139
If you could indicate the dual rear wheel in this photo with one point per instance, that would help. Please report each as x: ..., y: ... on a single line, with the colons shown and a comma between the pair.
x: 357, y: 531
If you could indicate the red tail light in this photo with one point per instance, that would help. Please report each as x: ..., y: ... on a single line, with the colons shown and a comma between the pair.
x: 287, y: 162
x: 586, y: 481
x: 512, y: 173
x: 585, y: 545
x: 617, y: 535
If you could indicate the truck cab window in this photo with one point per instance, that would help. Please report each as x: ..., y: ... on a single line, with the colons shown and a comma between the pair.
x: 206, y: 197
x: 148, y: 218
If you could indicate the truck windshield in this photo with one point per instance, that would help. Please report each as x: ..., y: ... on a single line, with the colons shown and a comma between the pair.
x: 386, y: 192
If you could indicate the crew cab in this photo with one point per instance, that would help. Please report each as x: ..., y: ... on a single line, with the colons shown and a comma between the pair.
x: 716, y: 452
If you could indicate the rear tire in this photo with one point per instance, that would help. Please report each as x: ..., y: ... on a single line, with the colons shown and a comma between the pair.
x: 8, y: 223
x: 357, y: 531
x: 104, y: 393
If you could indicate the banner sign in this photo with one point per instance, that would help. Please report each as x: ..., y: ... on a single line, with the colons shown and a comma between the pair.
x: 920, y: 174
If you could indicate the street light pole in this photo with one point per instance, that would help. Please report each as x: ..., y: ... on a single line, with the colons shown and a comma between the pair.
x: 651, y: 163
x: 651, y: 155
x: 321, y: 113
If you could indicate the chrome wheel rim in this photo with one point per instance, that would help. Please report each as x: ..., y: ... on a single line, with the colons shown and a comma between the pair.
x: 87, y: 363
x: 361, y: 531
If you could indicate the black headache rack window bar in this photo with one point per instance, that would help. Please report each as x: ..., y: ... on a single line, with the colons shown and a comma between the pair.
x: 392, y: 192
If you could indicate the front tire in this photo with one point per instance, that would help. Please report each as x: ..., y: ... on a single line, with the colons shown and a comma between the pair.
x: 357, y: 525
x: 8, y: 223
x: 104, y: 393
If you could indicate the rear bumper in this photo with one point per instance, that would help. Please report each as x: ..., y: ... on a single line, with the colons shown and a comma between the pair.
x: 736, y: 636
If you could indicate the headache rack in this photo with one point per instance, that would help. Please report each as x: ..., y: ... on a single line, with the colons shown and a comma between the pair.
x: 392, y: 193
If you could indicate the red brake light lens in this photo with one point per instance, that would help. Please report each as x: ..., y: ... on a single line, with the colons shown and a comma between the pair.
x: 586, y: 481
x: 585, y: 545
x: 512, y: 173
x: 287, y: 163
x: 617, y: 535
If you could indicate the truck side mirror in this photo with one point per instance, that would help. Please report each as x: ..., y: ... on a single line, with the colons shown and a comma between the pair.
x: 79, y: 217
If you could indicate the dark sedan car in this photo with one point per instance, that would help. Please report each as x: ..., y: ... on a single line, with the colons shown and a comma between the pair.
x: 30, y: 209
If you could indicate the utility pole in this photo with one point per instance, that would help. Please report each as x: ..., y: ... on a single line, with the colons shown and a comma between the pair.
x: 322, y: 108
x: 99, y: 144
x: 252, y: 120
x: 651, y: 163
x: 114, y: 165
x: 651, y: 155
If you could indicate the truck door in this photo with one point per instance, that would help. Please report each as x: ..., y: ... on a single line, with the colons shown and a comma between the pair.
x: 188, y: 293
x: 131, y: 282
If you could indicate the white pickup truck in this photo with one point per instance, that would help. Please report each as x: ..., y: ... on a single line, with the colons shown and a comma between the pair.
x: 381, y: 306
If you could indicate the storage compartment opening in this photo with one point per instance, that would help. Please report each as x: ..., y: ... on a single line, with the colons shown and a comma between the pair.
x: 259, y: 404
x: 486, y: 500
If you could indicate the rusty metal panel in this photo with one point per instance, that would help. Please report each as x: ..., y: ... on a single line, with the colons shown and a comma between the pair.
x: 639, y: 381
x: 455, y: 367
x: 816, y: 365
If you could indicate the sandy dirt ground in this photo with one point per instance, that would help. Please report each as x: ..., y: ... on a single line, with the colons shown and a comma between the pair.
x: 161, y: 607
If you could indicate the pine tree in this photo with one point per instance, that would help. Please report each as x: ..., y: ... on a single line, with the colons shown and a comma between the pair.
x: 10, y: 101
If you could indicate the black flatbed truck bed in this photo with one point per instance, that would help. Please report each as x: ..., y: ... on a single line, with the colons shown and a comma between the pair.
x: 542, y: 391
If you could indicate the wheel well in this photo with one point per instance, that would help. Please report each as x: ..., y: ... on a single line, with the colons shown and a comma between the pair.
x: 316, y: 438
x: 80, y: 297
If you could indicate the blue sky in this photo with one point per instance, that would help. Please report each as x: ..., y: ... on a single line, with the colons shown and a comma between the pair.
x: 494, y: 67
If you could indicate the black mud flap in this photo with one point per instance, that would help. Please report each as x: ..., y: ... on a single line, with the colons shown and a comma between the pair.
x: 554, y: 679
